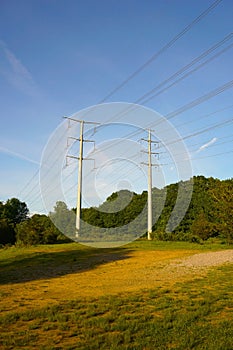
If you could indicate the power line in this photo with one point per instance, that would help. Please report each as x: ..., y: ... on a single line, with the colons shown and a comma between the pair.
x: 197, y: 158
x: 228, y: 121
x: 214, y: 155
x: 143, y: 99
x: 186, y: 107
x: 163, y: 49
x: 200, y: 99
x: 205, y: 116
x: 28, y: 183
x: 131, y: 171
x: 217, y: 144
x: 169, y: 44
x: 199, y: 131
x: 187, y: 74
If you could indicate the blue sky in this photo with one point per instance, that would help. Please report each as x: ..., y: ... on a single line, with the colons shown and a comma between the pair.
x: 59, y: 57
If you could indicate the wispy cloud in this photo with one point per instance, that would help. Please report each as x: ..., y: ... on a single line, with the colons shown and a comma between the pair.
x: 206, y: 145
x: 17, y: 155
x: 15, y: 72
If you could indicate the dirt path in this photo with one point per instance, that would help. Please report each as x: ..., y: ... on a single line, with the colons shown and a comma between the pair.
x: 205, y: 260
x: 140, y: 270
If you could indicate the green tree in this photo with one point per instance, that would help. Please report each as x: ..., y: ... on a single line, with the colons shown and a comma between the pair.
x: 63, y: 219
x: 223, y: 199
x: 1, y: 209
x: 7, y: 233
x: 202, y: 228
x: 37, y: 230
x: 15, y: 211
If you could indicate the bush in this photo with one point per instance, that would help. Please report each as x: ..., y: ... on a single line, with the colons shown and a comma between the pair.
x: 7, y: 233
x: 37, y: 230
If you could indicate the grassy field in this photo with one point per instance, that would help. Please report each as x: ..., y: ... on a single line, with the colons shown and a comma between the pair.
x: 73, y: 297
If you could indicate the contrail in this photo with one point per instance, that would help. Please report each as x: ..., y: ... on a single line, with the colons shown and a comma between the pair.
x: 18, y: 155
x: 207, y: 144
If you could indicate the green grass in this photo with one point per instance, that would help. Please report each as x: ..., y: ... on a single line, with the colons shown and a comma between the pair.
x: 15, y: 253
x: 194, y: 315
x: 210, y: 245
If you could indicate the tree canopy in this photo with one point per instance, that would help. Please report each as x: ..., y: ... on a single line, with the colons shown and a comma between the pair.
x: 15, y: 211
x: 210, y: 214
x: 39, y: 229
x: 12, y: 213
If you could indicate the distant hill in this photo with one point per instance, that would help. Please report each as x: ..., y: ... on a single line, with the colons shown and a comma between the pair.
x: 210, y: 213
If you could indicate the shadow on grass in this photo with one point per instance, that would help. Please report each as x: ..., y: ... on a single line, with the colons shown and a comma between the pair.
x: 55, y: 264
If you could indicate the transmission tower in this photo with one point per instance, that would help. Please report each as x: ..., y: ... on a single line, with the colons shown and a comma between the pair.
x: 80, y: 168
x: 149, y: 198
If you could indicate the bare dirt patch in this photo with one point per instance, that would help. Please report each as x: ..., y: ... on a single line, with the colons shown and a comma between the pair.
x: 205, y: 260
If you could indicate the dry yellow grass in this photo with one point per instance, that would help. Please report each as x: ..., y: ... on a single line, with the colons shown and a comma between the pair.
x: 74, y: 298
x: 137, y: 270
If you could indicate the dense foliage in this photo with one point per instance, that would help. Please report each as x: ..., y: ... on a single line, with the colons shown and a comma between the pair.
x: 210, y: 214
x: 12, y: 213
x: 37, y: 230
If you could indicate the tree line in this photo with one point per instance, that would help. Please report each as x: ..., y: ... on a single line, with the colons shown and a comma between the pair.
x: 209, y: 215
x: 17, y: 227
